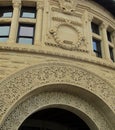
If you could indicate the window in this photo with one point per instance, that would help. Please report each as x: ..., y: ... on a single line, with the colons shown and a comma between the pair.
x: 97, y: 47
x: 25, y: 34
x: 95, y: 28
x: 110, y: 43
x: 109, y: 36
x: 111, y: 53
x: 96, y: 39
x: 28, y: 12
x: 4, y: 32
x: 6, y: 11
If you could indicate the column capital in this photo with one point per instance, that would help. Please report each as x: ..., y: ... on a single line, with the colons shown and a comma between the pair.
x: 90, y: 18
x: 16, y: 3
x: 104, y: 26
x: 40, y: 5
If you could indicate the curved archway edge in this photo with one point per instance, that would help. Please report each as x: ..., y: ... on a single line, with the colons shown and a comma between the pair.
x: 60, y: 100
x: 19, y: 84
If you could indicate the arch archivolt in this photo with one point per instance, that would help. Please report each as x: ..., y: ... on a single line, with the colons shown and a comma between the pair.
x: 55, y: 99
x: 17, y: 86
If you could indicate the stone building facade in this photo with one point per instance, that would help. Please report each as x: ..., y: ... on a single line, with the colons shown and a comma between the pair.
x: 57, y: 54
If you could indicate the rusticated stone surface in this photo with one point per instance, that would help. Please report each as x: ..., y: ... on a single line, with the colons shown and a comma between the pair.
x: 61, y: 61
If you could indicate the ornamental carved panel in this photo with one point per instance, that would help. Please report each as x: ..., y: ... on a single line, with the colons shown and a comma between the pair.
x: 65, y: 27
x: 68, y: 37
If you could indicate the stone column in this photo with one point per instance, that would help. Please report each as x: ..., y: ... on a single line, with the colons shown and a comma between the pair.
x: 39, y: 21
x: 105, y: 45
x: 15, y: 21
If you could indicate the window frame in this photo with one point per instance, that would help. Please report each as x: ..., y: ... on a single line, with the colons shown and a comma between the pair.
x: 31, y: 37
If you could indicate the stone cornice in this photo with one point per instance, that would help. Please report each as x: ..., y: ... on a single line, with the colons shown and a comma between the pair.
x: 100, y: 15
x: 40, y: 50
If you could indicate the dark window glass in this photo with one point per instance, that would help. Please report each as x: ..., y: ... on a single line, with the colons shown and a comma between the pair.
x: 97, y: 47
x: 25, y: 34
x: 95, y: 28
x: 6, y: 11
x: 28, y: 12
x: 111, y: 53
x: 4, y: 32
x: 109, y: 36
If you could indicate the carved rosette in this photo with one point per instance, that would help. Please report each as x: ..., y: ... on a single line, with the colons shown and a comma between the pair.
x: 68, y: 37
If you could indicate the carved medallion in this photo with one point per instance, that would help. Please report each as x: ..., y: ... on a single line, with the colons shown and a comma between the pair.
x: 67, y: 36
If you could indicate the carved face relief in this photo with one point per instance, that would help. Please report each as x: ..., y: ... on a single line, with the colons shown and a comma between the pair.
x: 68, y: 6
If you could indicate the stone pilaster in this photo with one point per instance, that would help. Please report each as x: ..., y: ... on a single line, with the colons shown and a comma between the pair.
x: 39, y: 21
x: 113, y: 37
x: 105, y: 45
x: 15, y: 21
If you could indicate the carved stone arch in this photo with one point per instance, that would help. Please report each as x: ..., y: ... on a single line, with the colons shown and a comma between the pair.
x: 18, y: 85
x: 46, y: 100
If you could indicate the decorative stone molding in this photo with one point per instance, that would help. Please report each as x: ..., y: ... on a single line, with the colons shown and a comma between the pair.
x: 33, y: 50
x: 57, y: 100
x: 60, y: 19
x: 65, y: 43
x: 76, y: 14
x: 68, y: 6
x: 19, y: 84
